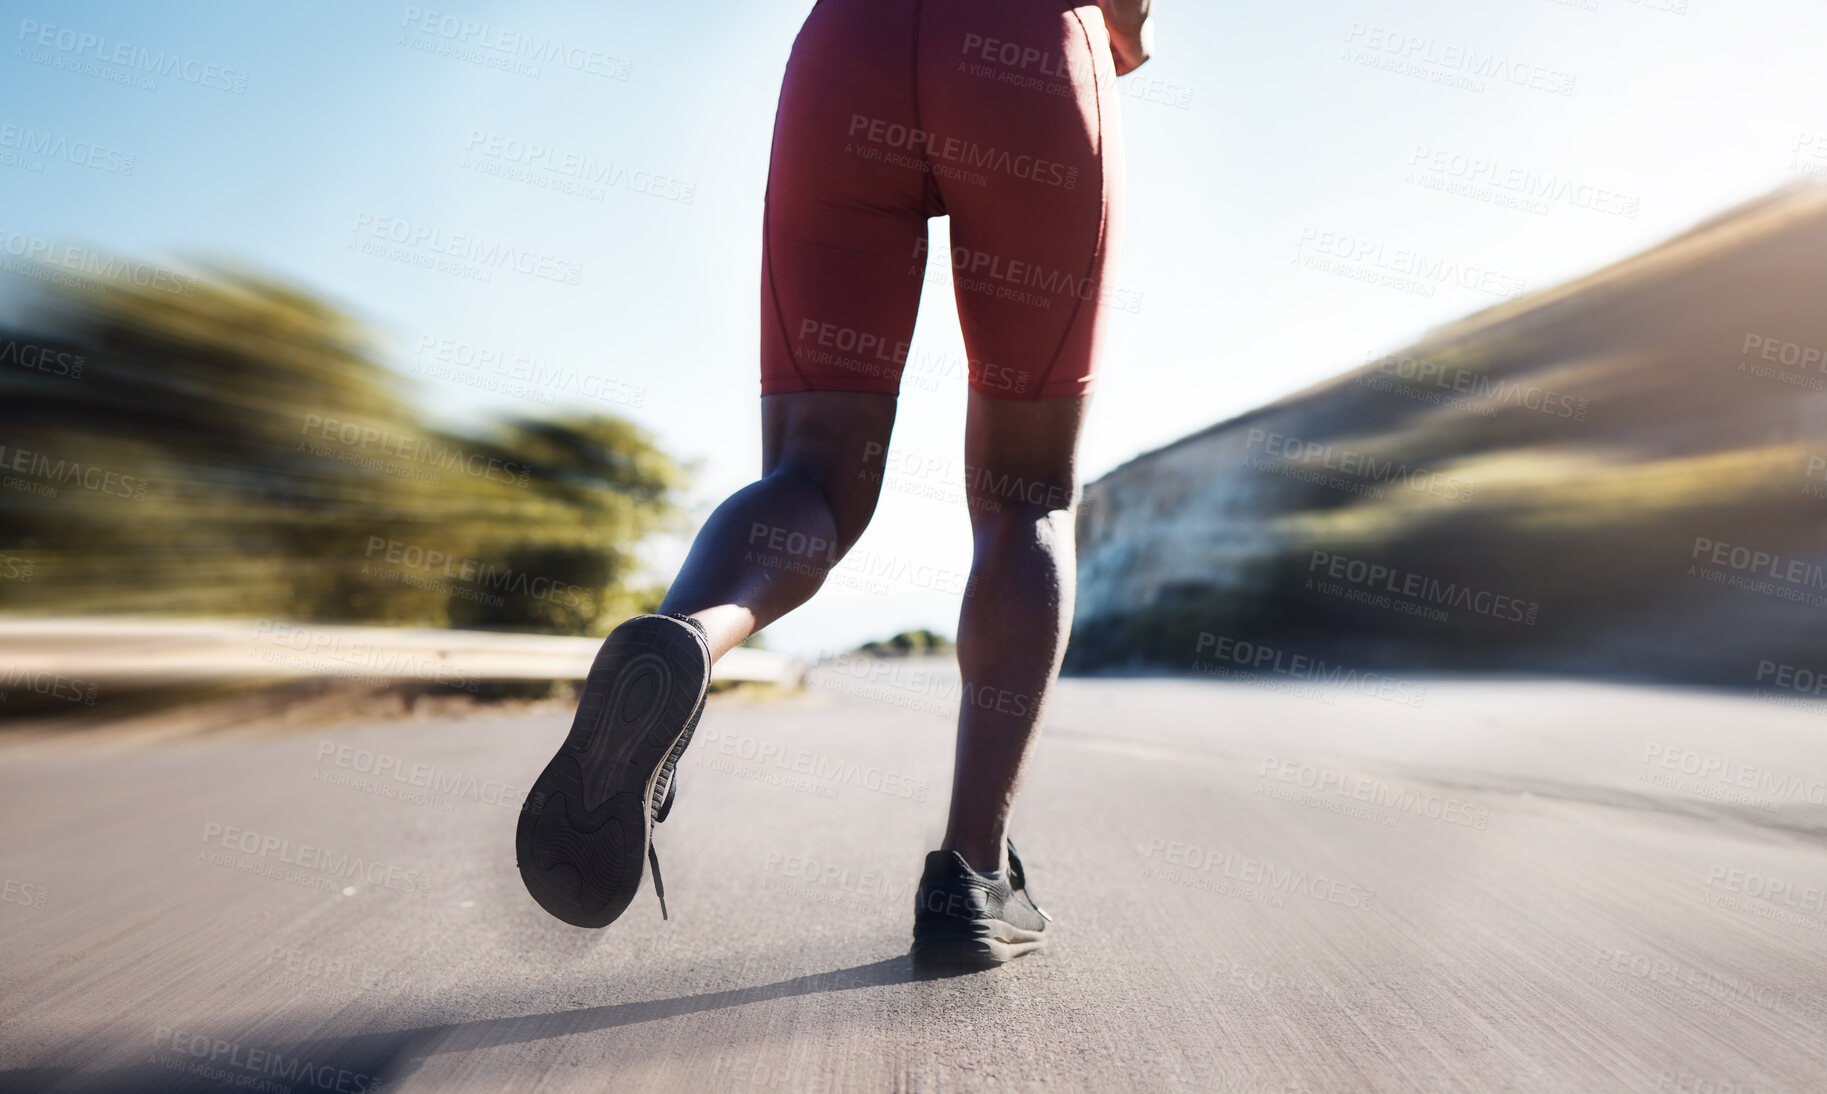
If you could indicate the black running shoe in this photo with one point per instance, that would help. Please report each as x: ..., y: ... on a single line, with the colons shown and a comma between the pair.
x: 964, y: 919
x: 588, y: 821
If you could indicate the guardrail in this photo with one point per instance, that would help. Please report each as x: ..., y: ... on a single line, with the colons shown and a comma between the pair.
x: 150, y: 650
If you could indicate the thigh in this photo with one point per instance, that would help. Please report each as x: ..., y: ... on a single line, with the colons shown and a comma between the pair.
x: 844, y: 226
x: 1027, y: 150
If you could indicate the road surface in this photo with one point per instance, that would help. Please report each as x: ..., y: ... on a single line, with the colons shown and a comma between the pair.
x: 1496, y: 886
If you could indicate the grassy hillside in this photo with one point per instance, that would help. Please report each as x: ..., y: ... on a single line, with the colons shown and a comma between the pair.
x: 1623, y: 474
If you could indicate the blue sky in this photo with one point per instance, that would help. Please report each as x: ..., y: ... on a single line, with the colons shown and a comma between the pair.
x: 1356, y: 136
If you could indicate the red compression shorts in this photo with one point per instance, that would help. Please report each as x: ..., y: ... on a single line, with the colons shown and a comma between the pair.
x: 1003, y: 116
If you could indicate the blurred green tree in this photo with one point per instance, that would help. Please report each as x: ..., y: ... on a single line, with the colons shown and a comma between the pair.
x: 226, y: 445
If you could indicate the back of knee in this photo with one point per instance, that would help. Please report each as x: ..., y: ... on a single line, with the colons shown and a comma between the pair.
x: 849, y: 495
x: 1021, y: 526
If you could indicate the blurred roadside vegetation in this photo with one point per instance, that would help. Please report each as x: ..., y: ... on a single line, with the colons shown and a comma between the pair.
x: 226, y: 445
x: 920, y: 643
x: 1621, y: 475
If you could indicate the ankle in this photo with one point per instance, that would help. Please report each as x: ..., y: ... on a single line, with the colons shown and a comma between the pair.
x: 691, y: 621
x: 983, y: 858
x: 724, y: 626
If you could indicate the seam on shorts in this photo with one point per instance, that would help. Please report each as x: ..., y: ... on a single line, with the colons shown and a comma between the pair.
x: 1103, y: 210
x: 767, y: 252
x: 929, y: 183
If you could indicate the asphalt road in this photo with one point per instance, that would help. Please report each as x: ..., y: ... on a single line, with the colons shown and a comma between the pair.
x: 1509, y: 886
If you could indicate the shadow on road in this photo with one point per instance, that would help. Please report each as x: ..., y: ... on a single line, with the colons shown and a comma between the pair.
x: 193, y: 1060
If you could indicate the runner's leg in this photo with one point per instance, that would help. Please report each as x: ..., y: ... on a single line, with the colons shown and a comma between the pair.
x: 767, y: 549
x: 1028, y: 145
x: 1012, y: 630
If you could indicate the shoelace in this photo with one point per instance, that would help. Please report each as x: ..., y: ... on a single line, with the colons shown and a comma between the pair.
x: 665, y: 787
x: 1018, y: 882
x: 668, y: 771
